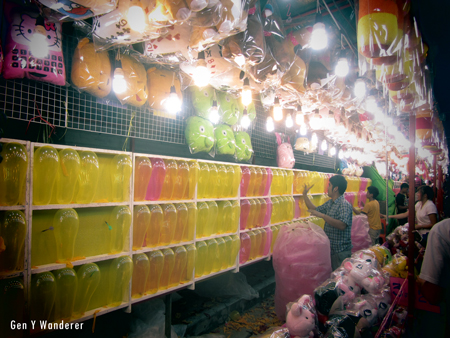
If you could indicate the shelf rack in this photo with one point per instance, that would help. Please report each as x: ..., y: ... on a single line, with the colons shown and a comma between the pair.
x: 29, y: 208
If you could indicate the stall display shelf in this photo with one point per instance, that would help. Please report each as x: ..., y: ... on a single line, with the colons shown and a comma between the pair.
x: 162, y: 292
x: 98, y: 312
x: 10, y: 274
x: 162, y: 202
x: 149, y: 249
x: 251, y: 229
x: 216, y: 236
x: 12, y: 207
x: 252, y: 197
x: 77, y: 206
x: 217, y: 199
x: 262, y: 258
x: 316, y: 194
x: 198, y: 279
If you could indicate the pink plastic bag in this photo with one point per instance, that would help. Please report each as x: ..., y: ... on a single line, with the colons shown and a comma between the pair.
x: 363, y: 185
x: 268, y: 241
x: 156, y: 180
x: 302, y: 261
x: 360, y: 233
x: 362, y: 198
x: 350, y: 197
x: 285, y: 153
x: 269, y: 181
x: 244, y: 251
x: 245, y: 181
x: 268, y: 212
x: 245, y: 211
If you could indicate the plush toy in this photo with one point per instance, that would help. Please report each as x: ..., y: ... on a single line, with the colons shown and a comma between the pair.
x: 178, y: 9
x: 201, y: 37
x: 382, y: 253
x: 80, y: 10
x: 229, y: 108
x: 365, y: 307
x: 363, y: 271
x: 398, y: 267
x: 171, y: 47
x: 251, y: 109
x: 159, y: 82
x: 225, y: 142
x: 202, y: 100
x: 231, y: 16
x: 285, y: 154
x: 294, y: 78
x: 91, y: 71
x: 301, y: 318
x: 197, y: 5
x: 136, y: 79
x: 244, y: 148
x: 349, y: 326
x: 19, y: 61
x: 199, y: 134
x: 383, y: 301
x: 302, y: 144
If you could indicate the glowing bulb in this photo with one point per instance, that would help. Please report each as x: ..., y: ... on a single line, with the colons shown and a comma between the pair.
x: 173, y: 103
x: 299, y: 117
x: 371, y: 104
x: 136, y: 18
x: 270, y: 126
x: 289, y: 121
x: 314, y: 139
x: 277, y: 111
x: 38, y: 42
x: 342, y: 67
x: 303, y: 130
x: 315, y: 121
x: 119, y: 83
x: 333, y: 151
x: 324, y: 145
x: 240, y: 60
x: 341, y: 154
x: 157, y: 14
x: 245, y: 121
x: 360, y: 88
x: 202, y: 74
x: 319, y: 38
x: 214, y: 113
x: 246, y: 93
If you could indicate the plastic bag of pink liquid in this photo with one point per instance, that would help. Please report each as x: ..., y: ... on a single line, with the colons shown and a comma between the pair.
x: 268, y: 212
x: 362, y: 198
x: 269, y: 181
x: 350, y: 197
x: 245, y: 180
x: 268, y: 241
x: 360, y: 233
x: 244, y: 251
x: 156, y: 179
x: 302, y: 262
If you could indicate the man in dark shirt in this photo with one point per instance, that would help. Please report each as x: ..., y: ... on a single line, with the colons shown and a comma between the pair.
x: 402, y: 202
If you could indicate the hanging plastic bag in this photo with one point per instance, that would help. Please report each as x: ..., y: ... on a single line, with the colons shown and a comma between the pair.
x: 202, y: 100
x: 22, y: 57
x: 225, y: 142
x: 80, y: 9
x: 360, y: 233
x: 244, y: 149
x: 207, y: 17
x: 199, y: 135
x: 161, y: 83
x: 285, y: 153
x: 299, y: 272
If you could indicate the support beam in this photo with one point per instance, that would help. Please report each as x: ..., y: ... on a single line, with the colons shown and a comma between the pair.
x: 168, y: 316
x: 435, y: 190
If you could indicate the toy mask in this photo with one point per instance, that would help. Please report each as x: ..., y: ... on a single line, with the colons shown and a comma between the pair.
x: 199, y: 134
x: 225, y: 142
x: 244, y: 148
x: 202, y: 100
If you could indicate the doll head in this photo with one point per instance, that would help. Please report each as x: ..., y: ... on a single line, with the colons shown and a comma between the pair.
x: 199, y: 134
x: 301, y: 317
x: 225, y: 142
x: 244, y: 148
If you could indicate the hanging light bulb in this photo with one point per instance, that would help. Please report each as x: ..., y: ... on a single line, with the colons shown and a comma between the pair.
x: 342, y: 67
x: 299, y: 117
x: 270, y: 126
x: 277, y: 111
x: 213, y: 115
x: 333, y: 151
x: 202, y: 74
x: 158, y: 14
x: 38, y: 42
x: 245, y: 121
x: 315, y: 122
x: 341, y: 154
x: 289, y: 121
x: 119, y: 83
x: 173, y: 103
x: 136, y: 17
x: 246, y: 93
x: 240, y: 60
x: 324, y: 145
x: 319, y: 38
x: 303, y: 130
x: 314, y: 139
x: 360, y: 88
x: 371, y: 104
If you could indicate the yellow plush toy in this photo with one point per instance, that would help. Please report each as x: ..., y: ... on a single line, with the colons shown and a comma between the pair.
x: 91, y: 71
x: 398, y: 267
x: 159, y: 83
x: 136, y: 79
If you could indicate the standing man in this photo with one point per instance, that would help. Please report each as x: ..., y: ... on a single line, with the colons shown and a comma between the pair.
x: 337, y: 214
x: 402, y: 202
x: 372, y: 210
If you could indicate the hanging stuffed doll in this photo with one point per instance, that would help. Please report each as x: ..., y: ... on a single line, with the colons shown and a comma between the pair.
x: 199, y: 135
x: 81, y: 9
x: 225, y: 142
x: 244, y: 150
x: 159, y: 84
x: 285, y: 153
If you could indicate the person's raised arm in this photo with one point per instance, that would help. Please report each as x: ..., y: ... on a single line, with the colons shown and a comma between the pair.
x: 308, y: 202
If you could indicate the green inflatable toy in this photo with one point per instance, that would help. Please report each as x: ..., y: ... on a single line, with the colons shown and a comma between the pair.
x: 225, y: 142
x: 251, y: 110
x: 202, y: 100
x: 244, y: 148
x: 199, y: 135
x: 229, y: 110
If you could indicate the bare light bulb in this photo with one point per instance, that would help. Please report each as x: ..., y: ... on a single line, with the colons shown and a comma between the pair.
x: 315, y: 122
x: 324, y: 145
x: 342, y: 67
x: 360, y: 88
x: 270, y: 126
x: 303, y: 130
x: 299, y: 117
x: 119, y: 83
x: 341, y: 154
x: 240, y: 60
x: 245, y: 121
x: 314, y: 139
x: 319, y: 38
x: 158, y: 14
x: 136, y: 18
x: 333, y: 151
x: 173, y: 103
x: 277, y: 110
x: 246, y: 93
x: 214, y: 113
x: 289, y: 121
x: 38, y: 42
x: 202, y: 74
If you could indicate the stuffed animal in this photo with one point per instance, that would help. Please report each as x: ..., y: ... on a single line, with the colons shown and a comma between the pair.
x: 199, y: 134
x: 285, y: 154
x: 159, y: 82
x: 382, y: 253
x: 201, y: 37
x: 178, y: 9
x: 231, y: 15
x: 80, y: 10
x: 398, y: 267
x: 365, y: 307
x: 302, y: 144
x: 91, y: 71
x: 202, y: 100
x: 197, y: 5
x: 136, y: 79
x: 244, y: 148
x: 225, y: 142
x: 18, y: 59
x: 363, y: 271
x: 301, y: 318
x: 383, y: 301
x: 229, y: 108
x: 251, y: 109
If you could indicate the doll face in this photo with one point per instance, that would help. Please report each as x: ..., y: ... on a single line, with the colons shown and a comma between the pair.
x: 199, y: 134
x: 136, y: 78
x: 226, y: 143
x: 228, y: 108
x: 244, y: 148
x: 202, y: 99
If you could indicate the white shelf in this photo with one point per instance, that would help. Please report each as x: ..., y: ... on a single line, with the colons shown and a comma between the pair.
x: 12, y: 207
x: 94, y: 150
x: 101, y: 311
x: 252, y: 197
x: 10, y: 274
x: 284, y: 222
x: 162, y: 292
x: 77, y: 206
x: 198, y: 279
x: 318, y: 194
x: 92, y: 259
x: 259, y: 259
x: 251, y: 229
x: 217, y: 199
x: 173, y: 245
x: 215, y: 236
x: 162, y: 202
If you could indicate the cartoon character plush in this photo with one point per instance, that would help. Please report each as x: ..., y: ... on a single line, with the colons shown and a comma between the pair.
x: 363, y: 271
x: 382, y: 253
x: 366, y: 308
x: 229, y: 109
x: 201, y: 37
x: 285, y: 154
x: 398, y: 267
x: 225, y: 142
x: 91, y: 71
x: 202, y: 100
x: 18, y: 59
x: 136, y: 79
x: 159, y: 82
x: 302, y: 144
x: 197, y: 5
x: 301, y: 317
x: 383, y: 301
x: 244, y: 148
x: 80, y: 10
x: 199, y: 134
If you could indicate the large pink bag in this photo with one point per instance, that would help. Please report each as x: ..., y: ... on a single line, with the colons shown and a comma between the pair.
x: 285, y: 153
x: 360, y: 233
x: 19, y: 62
x: 302, y: 262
